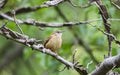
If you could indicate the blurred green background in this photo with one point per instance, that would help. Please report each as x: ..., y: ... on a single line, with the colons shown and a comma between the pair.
x: 16, y: 59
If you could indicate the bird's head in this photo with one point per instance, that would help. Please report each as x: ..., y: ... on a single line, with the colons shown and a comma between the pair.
x: 58, y: 32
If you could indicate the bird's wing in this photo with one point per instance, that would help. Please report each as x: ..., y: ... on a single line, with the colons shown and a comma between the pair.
x: 47, y: 40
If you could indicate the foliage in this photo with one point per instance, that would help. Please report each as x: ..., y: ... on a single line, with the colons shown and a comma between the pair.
x: 31, y: 62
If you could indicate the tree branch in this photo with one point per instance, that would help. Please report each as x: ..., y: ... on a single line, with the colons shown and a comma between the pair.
x: 44, y: 24
x: 104, y: 67
x: 107, y: 65
x: 105, y: 16
x: 118, y: 7
x: 31, y: 9
x: 80, y: 41
x: 53, y: 2
x: 82, y: 6
x: 33, y: 43
x: 2, y: 3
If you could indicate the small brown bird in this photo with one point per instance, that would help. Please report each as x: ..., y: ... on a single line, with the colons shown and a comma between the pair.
x: 54, y: 41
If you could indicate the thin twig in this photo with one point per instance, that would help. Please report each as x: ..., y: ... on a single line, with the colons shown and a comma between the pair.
x: 105, y: 16
x: 118, y: 7
x: 82, y: 6
x: 80, y: 41
x: 113, y: 38
x: 89, y: 64
x: 19, y: 28
x: 44, y: 24
x: 63, y: 69
x: 2, y: 3
x: 45, y: 4
x: 73, y: 56
x: 3, y: 25
x: 25, y: 40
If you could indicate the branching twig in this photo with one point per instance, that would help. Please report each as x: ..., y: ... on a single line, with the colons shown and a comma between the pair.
x: 44, y: 24
x: 35, y: 8
x: 101, y: 70
x: 73, y: 61
x: 9, y: 34
x: 17, y: 23
x: 80, y: 41
x: 105, y: 16
x: 113, y: 38
x: 104, y: 67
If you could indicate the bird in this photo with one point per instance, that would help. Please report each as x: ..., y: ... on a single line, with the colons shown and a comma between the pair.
x: 54, y: 41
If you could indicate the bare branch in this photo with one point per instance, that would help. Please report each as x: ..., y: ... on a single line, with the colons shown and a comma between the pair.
x: 113, y: 38
x: 53, y: 2
x: 35, y: 8
x: 104, y: 67
x: 44, y: 24
x: 2, y: 3
x: 80, y: 41
x: 17, y: 23
x: 73, y: 56
x: 118, y: 7
x: 105, y: 16
x: 9, y: 18
x: 107, y: 65
x: 31, y: 42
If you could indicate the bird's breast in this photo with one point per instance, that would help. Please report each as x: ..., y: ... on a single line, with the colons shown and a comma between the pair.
x: 54, y: 43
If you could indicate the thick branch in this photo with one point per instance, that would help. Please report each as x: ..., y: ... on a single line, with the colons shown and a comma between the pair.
x: 33, y: 43
x: 107, y: 65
